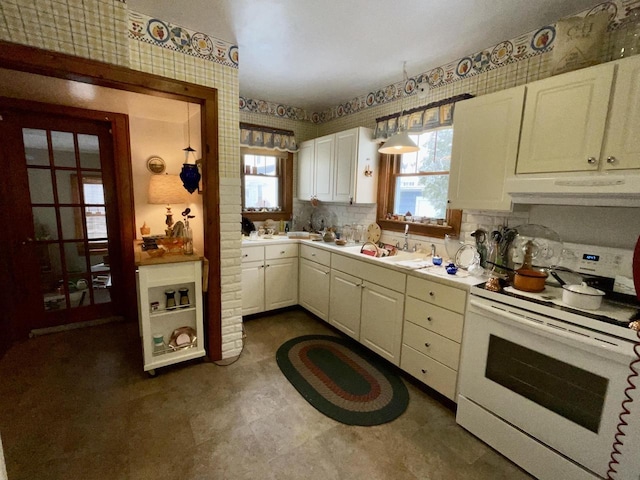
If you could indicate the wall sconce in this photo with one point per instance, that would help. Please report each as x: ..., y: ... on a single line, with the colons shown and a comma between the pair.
x: 164, y: 190
x: 367, y: 171
x: 189, y: 175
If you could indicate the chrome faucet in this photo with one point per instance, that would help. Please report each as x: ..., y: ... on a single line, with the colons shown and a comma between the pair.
x: 433, y: 250
x: 405, y: 247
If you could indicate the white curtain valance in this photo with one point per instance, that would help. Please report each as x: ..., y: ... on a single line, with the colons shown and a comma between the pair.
x: 256, y: 136
x: 418, y: 120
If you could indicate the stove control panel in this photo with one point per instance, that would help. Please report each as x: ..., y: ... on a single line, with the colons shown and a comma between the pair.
x: 594, y: 260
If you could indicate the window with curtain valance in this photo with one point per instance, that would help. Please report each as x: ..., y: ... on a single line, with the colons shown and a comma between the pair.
x: 419, y: 119
x: 257, y: 136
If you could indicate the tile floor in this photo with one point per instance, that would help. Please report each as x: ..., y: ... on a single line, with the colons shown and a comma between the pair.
x: 76, y: 405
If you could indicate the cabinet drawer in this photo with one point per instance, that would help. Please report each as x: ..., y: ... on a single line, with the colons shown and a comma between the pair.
x: 315, y: 255
x: 385, y: 277
x: 440, y: 320
x: 431, y: 344
x: 252, y: 254
x: 285, y: 250
x: 438, y: 376
x: 442, y: 295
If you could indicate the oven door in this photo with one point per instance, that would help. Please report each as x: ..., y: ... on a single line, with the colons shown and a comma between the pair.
x: 560, y: 384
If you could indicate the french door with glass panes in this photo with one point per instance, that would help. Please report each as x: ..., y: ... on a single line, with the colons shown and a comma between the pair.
x: 64, y: 216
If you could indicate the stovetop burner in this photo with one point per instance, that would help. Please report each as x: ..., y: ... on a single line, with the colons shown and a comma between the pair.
x: 613, y: 312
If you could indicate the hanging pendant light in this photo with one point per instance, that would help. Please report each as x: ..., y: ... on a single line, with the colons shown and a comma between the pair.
x: 189, y: 175
x: 400, y: 142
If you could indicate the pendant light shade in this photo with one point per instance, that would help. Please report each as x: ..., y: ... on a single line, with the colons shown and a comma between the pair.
x: 399, y: 143
x: 189, y: 174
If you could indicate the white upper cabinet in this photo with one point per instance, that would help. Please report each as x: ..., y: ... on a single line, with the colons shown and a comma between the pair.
x: 622, y: 147
x: 324, y: 167
x: 335, y: 168
x: 306, y: 165
x: 485, y: 148
x: 564, y: 121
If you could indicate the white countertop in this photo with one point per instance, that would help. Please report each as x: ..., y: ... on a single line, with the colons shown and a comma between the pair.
x: 462, y: 279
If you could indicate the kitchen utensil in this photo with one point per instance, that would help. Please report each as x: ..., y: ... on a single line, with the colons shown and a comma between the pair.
x: 436, y: 260
x: 329, y: 236
x: 481, y: 237
x: 451, y: 269
x: 341, y: 241
x: 371, y: 249
x: 527, y: 278
x: 543, y: 244
x: 582, y: 296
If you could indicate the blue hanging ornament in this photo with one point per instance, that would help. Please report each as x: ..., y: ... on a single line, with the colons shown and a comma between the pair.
x: 190, y: 175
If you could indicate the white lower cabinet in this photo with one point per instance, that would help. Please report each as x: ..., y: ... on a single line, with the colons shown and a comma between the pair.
x: 269, y: 277
x: 345, y: 300
x: 366, y: 311
x: 433, y: 322
x: 381, y: 321
x: 315, y: 280
x: 161, y: 321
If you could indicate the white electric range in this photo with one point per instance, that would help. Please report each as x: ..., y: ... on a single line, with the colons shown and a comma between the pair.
x: 545, y: 384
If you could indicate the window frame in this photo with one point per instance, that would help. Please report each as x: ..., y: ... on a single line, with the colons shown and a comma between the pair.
x: 389, y: 167
x: 285, y: 175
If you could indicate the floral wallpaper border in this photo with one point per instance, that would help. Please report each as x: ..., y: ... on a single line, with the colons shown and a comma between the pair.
x: 180, y: 39
x: 506, y: 52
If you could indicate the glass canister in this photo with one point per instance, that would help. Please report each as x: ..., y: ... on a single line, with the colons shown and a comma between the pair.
x: 170, y: 299
x: 626, y: 38
x: 187, y: 243
x: 184, y: 297
x: 158, y: 343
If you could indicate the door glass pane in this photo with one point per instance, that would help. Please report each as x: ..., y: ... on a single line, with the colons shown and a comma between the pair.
x: 51, y: 278
x: 35, y: 146
x: 93, y: 190
x: 44, y: 223
x: 71, y: 222
x: 75, y: 259
x: 67, y: 184
x: 569, y: 391
x: 64, y: 154
x: 40, y: 186
x: 422, y: 195
x: 88, y: 148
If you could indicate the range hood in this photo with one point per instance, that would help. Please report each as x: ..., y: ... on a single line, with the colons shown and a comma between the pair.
x: 597, y: 189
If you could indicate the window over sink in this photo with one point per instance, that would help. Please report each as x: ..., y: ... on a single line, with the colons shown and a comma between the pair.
x: 417, y: 183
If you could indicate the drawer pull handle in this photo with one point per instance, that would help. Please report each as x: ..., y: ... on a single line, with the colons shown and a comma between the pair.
x: 592, y: 160
x: 281, y: 252
x: 313, y: 254
x: 326, y: 273
x: 431, y: 294
x: 427, y: 344
x: 423, y: 370
x: 245, y: 255
x: 428, y: 319
x: 611, y: 160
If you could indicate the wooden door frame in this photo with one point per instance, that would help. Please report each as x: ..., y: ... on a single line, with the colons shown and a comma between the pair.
x: 53, y: 64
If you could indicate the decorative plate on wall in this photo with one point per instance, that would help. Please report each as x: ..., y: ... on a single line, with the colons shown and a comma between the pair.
x: 155, y: 165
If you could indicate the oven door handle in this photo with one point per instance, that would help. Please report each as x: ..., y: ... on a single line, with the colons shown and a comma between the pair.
x: 604, y: 348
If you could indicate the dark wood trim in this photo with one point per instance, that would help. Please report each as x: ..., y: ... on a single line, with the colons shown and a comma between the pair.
x: 286, y: 193
x: 53, y: 64
x: 386, y: 194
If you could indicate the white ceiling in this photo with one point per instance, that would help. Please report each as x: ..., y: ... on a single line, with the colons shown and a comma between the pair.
x: 316, y: 54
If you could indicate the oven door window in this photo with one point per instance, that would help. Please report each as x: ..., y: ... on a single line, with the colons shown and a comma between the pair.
x: 572, y: 392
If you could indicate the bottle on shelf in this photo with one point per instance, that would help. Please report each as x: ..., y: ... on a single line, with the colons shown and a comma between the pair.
x: 170, y: 299
x: 184, y: 297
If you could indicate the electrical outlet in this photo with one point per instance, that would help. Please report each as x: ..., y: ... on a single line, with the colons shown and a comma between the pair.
x: 423, y: 89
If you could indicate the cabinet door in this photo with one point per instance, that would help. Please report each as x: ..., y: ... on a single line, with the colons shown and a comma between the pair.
x: 622, y: 148
x: 345, y: 158
x: 281, y: 283
x: 306, y: 156
x: 346, y: 292
x: 486, y: 132
x: 564, y: 121
x: 324, y: 166
x: 314, y: 288
x: 252, y: 287
x: 381, y: 321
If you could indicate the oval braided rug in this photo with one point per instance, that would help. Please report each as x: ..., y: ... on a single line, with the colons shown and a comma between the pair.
x: 342, y: 379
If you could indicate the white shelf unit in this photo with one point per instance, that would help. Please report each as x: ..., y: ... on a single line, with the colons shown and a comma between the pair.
x: 153, y: 280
